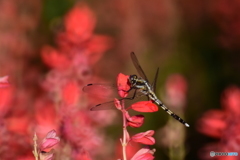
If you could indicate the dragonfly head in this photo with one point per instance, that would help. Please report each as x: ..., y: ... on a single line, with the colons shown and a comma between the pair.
x: 133, y: 79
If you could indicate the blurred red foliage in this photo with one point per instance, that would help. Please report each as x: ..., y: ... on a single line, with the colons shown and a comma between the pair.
x: 227, y: 17
x: 78, y: 49
x: 176, y: 91
x: 30, y: 104
x: 223, y: 124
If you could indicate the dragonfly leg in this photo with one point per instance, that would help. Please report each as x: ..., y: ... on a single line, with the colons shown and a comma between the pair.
x: 134, y: 94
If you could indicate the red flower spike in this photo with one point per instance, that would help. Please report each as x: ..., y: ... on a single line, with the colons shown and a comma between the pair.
x: 144, y: 138
x: 134, y: 121
x: 145, y: 106
x: 123, y: 85
x: 117, y: 104
x: 144, y: 154
x: 4, y: 82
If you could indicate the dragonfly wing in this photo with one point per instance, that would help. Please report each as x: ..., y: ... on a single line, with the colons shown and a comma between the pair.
x: 154, y: 84
x: 100, y: 90
x: 110, y: 105
x: 137, y: 66
x: 103, y: 106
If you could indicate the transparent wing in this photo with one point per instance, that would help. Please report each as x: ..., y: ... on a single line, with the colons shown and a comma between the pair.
x: 103, y: 106
x: 110, y: 105
x: 137, y: 66
x: 101, y: 90
x: 154, y: 84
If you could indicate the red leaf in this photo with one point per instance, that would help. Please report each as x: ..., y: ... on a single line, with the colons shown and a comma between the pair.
x: 145, y: 106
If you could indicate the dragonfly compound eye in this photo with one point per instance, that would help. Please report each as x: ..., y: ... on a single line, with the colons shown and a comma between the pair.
x: 132, y: 79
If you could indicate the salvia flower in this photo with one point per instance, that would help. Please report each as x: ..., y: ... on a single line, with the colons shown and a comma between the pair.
x: 144, y: 154
x: 144, y: 137
x: 123, y: 85
x: 224, y: 124
x: 145, y: 106
x: 134, y: 121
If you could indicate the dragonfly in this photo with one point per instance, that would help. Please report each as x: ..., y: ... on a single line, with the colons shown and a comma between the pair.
x: 140, y: 84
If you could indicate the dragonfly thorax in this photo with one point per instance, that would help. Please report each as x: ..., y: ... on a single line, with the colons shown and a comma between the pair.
x: 137, y: 82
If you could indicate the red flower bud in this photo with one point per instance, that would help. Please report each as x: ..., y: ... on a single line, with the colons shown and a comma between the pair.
x: 117, y: 104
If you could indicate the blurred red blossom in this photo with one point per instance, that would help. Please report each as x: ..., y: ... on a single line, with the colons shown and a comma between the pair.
x: 54, y: 104
x: 213, y: 123
x: 54, y: 58
x: 80, y: 133
x: 71, y: 62
x: 6, y: 97
x: 226, y: 15
x: 230, y: 100
x: 224, y: 124
x: 80, y: 22
x: 81, y: 155
x: 176, y: 91
x: 46, y: 116
x: 19, y: 123
x: 71, y: 93
x: 4, y: 82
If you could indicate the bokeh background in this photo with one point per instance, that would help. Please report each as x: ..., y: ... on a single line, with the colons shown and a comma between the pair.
x: 52, y: 48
